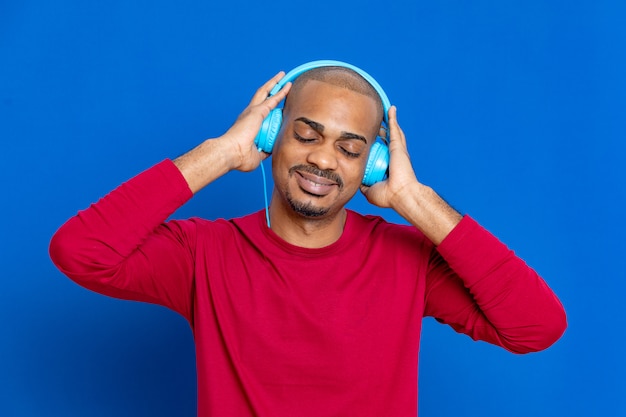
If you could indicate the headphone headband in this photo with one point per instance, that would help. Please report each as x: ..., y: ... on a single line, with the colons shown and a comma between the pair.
x: 296, y: 72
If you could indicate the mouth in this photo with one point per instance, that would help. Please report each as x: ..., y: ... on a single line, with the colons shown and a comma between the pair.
x: 315, y: 185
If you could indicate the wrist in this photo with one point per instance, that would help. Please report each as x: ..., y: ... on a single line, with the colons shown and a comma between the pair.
x: 230, y: 154
x: 425, y: 209
x: 205, y: 163
x: 409, y: 201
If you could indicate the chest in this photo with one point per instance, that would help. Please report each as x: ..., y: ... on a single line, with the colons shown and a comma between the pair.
x: 313, y: 321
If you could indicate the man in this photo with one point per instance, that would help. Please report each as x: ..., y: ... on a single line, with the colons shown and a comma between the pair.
x: 319, y: 315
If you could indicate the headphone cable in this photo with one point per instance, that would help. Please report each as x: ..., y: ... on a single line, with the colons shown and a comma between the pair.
x: 267, y: 211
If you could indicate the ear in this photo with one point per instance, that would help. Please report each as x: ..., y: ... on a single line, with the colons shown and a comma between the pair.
x: 377, y: 164
x: 268, y: 133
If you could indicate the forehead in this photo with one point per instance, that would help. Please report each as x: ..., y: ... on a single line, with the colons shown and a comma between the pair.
x: 332, y: 101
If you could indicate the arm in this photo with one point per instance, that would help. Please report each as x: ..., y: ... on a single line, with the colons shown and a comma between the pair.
x: 419, y: 204
x: 120, y: 246
x: 475, y: 283
x: 235, y: 150
x: 481, y: 288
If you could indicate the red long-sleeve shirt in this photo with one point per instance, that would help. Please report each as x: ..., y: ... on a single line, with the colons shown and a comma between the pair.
x: 287, y: 331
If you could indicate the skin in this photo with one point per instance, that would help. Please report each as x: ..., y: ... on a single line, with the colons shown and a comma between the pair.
x: 319, y: 161
x: 311, y: 167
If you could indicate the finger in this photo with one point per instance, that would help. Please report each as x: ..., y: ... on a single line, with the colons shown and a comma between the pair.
x: 395, y: 132
x: 271, y: 102
x: 278, y: 97
x: 264, y: 91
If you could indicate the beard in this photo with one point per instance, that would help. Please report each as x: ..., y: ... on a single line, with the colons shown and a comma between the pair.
x: 305, y: 209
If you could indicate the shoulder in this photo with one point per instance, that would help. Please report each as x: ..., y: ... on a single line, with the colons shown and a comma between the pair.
x: 378, y: 223
x: 378, y: 229
x: 246, y: 225
x: 214, y: 236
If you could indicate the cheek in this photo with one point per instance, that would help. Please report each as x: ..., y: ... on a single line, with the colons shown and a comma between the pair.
x: 353, y: 173
x: 284, y: 158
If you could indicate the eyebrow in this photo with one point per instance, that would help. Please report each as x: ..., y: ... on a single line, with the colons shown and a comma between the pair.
x: 319, y: 128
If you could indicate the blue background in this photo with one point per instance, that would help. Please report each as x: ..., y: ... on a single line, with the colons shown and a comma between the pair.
x: 514, y: 112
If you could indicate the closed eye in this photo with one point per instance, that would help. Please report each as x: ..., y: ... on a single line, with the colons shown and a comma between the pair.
x: 348, y: 153
x: 352, y: 148
x: 302, y: 139
x: 342, y: 147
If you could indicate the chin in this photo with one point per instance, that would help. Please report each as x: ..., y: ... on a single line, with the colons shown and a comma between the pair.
x: 306, y: 208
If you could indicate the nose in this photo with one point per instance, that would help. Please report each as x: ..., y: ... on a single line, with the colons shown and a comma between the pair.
x: 323, y: 156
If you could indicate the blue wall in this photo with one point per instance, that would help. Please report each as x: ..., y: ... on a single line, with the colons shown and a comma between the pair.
x: 514, y: 112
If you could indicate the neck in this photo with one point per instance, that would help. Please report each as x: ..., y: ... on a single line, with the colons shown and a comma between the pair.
x: 306, y: 232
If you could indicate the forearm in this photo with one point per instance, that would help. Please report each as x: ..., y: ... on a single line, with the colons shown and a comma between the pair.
x: 481, y: 288
x: 206, y: 162
x: 121, y: 247
x: 111, y: 229
x: 421, y: 206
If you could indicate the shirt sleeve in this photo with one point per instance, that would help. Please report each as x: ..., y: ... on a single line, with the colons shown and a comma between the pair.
x: 481, y: 288
x: 122, y: 247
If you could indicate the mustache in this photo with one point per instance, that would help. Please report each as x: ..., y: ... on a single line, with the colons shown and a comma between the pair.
x: 324, y: 173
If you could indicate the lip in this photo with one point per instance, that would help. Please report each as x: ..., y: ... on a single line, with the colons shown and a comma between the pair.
x: 313, y: 184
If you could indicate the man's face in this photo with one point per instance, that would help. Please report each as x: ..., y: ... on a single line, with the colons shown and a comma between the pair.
x: 322, y: 149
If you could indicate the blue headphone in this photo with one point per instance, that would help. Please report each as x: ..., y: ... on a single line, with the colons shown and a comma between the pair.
x: 378, y: 161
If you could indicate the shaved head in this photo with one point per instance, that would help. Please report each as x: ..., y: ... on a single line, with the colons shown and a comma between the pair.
x: 340, y: 77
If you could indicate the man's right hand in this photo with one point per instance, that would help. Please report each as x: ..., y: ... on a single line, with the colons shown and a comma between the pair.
x: 242, y: 133
x: 235, y: 149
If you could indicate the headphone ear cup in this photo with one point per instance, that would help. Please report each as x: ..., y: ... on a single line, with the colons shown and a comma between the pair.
x: 269, y: 131
x: 377, y: 164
